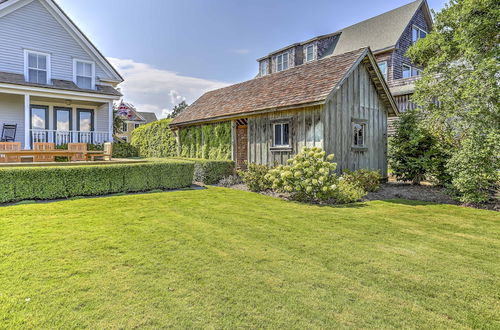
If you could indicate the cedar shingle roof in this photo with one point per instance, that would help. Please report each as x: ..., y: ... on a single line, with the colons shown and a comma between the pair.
x: 18, y: 79
x: 302, y: 85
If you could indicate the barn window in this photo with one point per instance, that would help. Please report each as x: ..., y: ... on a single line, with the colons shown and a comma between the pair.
x: 359, y: 134
x: 281, y: 136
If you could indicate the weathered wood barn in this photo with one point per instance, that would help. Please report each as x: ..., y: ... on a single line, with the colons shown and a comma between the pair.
x: 339, y: 103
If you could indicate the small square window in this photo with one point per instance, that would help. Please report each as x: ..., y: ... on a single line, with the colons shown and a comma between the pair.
x: 281, y: 136
x: 136, y: 125
x: 359, y: 133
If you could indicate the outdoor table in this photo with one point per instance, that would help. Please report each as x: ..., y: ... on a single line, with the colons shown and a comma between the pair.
x: 55, y: 152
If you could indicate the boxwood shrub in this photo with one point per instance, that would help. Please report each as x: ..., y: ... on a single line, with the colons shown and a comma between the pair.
x: 28, y: 183
x: 211, y: 171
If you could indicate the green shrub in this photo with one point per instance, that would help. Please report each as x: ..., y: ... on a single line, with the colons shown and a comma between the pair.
x: 310, y: 177
x: 348, y: 192
x: 124, y: 150
x: 210, y: 171
x: 255, y: 177
x: 475, y: 168
x: 212, y: 141
x: 155, y: 140
x: 413, y: 150
x: 26, y: 183
x: 366, y: 179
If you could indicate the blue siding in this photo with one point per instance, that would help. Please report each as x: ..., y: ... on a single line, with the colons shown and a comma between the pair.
x: 33, y: 27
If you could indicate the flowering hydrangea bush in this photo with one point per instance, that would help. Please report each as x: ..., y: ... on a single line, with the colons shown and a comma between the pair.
x: 310, y: 176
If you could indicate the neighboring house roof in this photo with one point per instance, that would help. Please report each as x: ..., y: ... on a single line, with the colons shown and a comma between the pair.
x: 63, y: 18
x: 148, y: 116
x: 303, y: 85
x: 379, y: 32
x: 18, y: 79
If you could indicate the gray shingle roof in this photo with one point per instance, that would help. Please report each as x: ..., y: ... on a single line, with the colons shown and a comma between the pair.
x: 379, y: 32
x: 148, y: 116
x: 18, y: 79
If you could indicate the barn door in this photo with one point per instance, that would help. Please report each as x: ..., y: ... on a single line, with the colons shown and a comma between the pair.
x: 241, y: 143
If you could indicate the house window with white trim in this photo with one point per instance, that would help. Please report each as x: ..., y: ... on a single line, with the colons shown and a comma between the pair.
x: 281, y: 135
x: 410, y: 71
x: 84, y: 74
x: 417, y: 33
x: 37, y: 67
x: 309, y: 53
x: 124, y: 127
x: 282, y: 62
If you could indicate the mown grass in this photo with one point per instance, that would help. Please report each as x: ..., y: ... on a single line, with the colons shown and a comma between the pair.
x: 221, y: 258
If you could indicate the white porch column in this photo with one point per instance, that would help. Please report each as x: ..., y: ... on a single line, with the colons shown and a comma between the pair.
x: 27, y: 122
x: 110, y: 120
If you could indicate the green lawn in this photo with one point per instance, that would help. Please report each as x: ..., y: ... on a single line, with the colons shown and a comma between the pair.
x: 221, y: 258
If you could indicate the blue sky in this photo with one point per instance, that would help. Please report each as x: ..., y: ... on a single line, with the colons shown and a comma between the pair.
x: 173, y: 50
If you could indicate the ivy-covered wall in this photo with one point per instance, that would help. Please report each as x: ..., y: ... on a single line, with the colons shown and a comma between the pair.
x: 155, y: 139
x: 211, y: 141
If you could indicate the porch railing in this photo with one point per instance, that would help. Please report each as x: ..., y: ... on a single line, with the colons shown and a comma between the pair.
x: 63, y: 137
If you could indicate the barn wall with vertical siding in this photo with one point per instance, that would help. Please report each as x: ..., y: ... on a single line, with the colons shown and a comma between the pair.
x: 329, y: 126
x: 357, y: 99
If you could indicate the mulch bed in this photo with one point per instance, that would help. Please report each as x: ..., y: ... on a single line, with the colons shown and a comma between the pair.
x: 399, y: 190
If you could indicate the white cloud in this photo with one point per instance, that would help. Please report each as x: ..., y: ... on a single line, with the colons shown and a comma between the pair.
x: 156, y: 90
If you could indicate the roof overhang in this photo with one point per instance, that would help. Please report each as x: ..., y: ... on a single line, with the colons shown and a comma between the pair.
x: 56, y: 93
x: 246, y: 114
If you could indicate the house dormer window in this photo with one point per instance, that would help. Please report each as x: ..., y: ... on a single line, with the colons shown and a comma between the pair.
x: 37, y: 67
x: 282, y: 62
x: 309, y: 53
x: 84, y: 73
x: 417, y: 33
x: 263, y: 68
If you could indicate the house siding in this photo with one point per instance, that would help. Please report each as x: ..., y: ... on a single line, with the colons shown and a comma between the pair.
x: 34, y: 28
x: 405, y: 42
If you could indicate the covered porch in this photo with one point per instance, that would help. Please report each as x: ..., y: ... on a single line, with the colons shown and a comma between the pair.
x: 58, y: 117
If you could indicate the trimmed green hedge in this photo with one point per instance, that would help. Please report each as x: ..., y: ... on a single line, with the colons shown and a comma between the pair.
x: 28, y: 183
x: 155, y: 140
x: 211, y: 171
x: 212, y: 141
x: 124, y: 150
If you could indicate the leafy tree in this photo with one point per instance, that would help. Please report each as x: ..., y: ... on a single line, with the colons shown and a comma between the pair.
x: 177, y: 109
x: 459, y: 89
x: 117, y: 123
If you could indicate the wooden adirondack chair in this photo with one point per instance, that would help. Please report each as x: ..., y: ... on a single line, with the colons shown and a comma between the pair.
x: 78, y: 147
x: 9, y: 146
x: 44, y: 146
